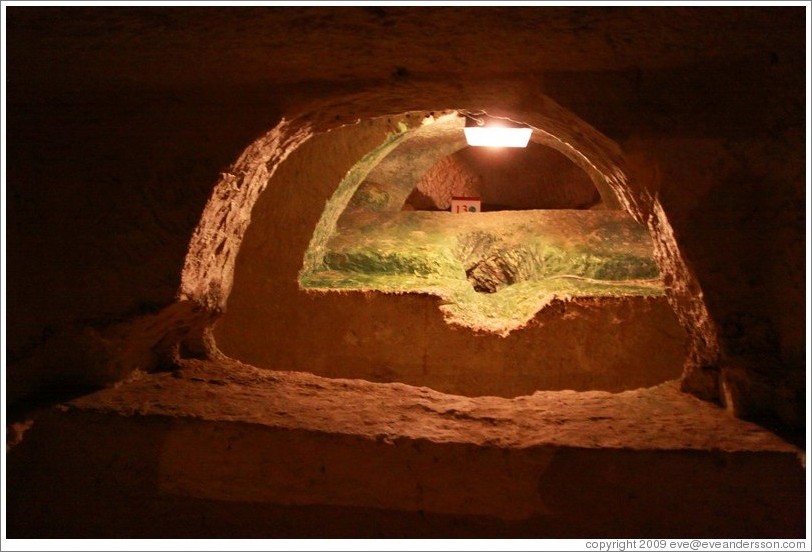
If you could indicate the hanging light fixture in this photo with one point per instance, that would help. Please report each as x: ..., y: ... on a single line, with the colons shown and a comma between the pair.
x: 495, y: 133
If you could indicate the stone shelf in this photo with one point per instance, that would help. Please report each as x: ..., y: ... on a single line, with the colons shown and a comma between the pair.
x: 282, y: 450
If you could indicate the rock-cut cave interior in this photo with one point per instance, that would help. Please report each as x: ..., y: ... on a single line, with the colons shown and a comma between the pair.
x: 241, y: 303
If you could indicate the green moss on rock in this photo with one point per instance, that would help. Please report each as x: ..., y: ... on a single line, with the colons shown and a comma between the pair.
x: 493, y: 271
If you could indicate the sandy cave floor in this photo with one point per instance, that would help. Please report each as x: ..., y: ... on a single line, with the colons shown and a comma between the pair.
x: 656, y: 418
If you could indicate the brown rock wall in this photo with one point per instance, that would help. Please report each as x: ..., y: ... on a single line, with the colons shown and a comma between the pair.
x: 120, y: 121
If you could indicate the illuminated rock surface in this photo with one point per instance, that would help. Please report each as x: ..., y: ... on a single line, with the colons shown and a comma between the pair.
x: 233, y: 450
x: 166, y: 169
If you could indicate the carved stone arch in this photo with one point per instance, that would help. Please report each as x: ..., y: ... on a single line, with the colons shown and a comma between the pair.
x: 208, y: 271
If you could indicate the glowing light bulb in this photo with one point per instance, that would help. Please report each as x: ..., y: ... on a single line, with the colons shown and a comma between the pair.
x: 497, y: 137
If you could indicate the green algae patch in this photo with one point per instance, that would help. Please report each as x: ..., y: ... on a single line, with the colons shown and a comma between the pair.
x: 341, y: 198
x: 493, y: 271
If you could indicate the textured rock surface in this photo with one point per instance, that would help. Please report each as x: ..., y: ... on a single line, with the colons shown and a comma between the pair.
x: 120, y: 121
x: 537, y: 177
x: 560, y: 349
x: 273, y: 324
x: 548, y: 253
x: 224, y: 449
x: 656, y: 418
x: 447, y: 178
x: 402, y: 169
x: 437, y: 164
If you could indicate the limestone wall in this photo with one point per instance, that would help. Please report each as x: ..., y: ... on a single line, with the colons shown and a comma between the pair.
x: 120, y: 122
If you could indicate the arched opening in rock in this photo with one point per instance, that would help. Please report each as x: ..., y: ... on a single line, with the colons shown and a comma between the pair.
x: 505, y: 179
x: 526, y: 257
x: 502, y: 303
x: 119, y: 122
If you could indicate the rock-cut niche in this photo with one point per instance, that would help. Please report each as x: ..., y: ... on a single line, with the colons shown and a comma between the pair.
x: 544, y: 229
x: 354, y: 267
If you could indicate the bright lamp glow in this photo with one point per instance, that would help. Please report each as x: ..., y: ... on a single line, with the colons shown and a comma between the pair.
x: 498, y: 137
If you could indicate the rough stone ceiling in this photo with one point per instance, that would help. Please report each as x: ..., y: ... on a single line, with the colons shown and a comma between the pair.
x: 89, y: 44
